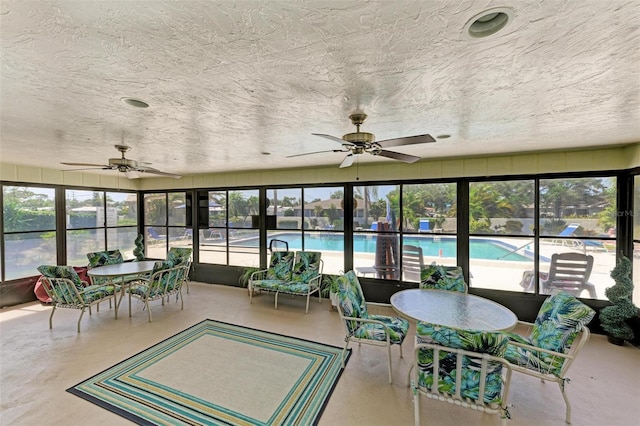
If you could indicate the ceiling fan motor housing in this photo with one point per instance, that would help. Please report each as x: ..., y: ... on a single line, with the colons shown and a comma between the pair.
x: 122, y: 163
x: 359, y: 138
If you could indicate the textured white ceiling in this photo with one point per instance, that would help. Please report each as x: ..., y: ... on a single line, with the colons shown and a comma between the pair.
x: 228, y: 80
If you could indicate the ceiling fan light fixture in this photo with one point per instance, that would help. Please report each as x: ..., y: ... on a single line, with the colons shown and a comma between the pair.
x: 487, y: 23
x: 136, y: 103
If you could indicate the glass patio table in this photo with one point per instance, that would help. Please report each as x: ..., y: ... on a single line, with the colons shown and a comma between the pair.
x: 453, y: 309
x: 121, y: 271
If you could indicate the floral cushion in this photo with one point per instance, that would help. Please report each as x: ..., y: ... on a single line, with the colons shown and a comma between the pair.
x: 158, y: 283
x: 441, y: 277
x: 353, y: 305
x: 274, y: 285
x: 179, y: 255
x: 493, y: 343
x: 351, y: 299
x: 558, y: 323
x: 101, y: 258
x: 397, y: 328
x: 535, y: 360
x: 52, y: 271
x: 280, y: 265
x: 88, y: 294
x: 306, y: 267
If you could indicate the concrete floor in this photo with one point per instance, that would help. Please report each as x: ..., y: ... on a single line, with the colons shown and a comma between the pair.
x: 38, y: 364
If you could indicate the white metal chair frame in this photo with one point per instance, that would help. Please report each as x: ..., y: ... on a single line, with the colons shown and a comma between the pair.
x: 64, y: 294
x: 314, y: 286
x: 350, y: 338
x: 174, y: 278
x: 456, y: 398
x: 546, y: 374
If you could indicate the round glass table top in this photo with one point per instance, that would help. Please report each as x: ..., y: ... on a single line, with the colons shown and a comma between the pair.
x: 126, y: 268
x: 453, y: 309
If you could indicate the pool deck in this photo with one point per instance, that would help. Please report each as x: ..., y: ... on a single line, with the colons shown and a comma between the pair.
x: 493, y: 274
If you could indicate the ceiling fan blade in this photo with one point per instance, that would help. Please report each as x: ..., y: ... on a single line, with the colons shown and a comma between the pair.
x: 132, y: 174
x: 399, y: 156
x: 85, y: 164
x: 408, y: 140
x: 348, y: 161
x: 316, y: 152
x: 333, y: 138
x: 157, y: 172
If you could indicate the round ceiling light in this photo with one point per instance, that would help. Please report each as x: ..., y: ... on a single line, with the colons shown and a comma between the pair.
x: 488, y: 22
x: 136, y: 103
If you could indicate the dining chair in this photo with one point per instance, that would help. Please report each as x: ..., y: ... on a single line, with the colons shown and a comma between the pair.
x: 362, y: 327
x: 461, y: 367
x: 164, y: 281
x: 65, y: 289
x: 555, y: 339
x: 181, y: 256
x: 440, y: 277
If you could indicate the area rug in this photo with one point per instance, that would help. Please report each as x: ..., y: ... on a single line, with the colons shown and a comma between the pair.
x: 215, y: 373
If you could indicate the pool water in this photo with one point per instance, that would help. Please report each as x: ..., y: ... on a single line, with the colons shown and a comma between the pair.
x: 432, y: 246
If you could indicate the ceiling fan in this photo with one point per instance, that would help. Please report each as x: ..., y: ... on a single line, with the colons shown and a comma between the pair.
x: 359, y: 143
x: 124, y: 165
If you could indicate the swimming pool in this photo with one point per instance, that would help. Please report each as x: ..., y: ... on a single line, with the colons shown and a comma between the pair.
x: 432, y: 245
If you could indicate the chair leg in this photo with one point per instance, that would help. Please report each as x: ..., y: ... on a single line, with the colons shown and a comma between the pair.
x: 148, y: 309
x: 416, y: 406
x: 51, y: 317
x: 182, y: 300
x: 276, y: 300
x: 409, y: 376
x: 306, y: 311
x: 562, y: 385
x: 250, y: 294
x: 389, y: 353
x: 80, y: 319
x: 344, y: 351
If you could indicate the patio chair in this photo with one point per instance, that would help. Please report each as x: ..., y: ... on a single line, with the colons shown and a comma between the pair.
x: 154, y: 236
x: 107, y: 257
x: 412, y: 262
x: 557, y: 335
x: 181, y: 256
x: 424, y: 225
x: 569, y: 272
x: 165, y: 280
x: 440, y: 277
x: 461, y: 367
x: 63, y: 285
x: 362, y: 327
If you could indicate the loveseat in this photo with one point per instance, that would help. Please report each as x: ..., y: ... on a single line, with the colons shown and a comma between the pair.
x: 296, y: 273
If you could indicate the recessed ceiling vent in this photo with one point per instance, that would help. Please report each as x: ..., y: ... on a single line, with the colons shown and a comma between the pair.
x: 487, y: 23
x: 136, y: 103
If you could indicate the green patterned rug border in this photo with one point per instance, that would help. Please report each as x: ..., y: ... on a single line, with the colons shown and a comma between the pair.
x: 123, y: 391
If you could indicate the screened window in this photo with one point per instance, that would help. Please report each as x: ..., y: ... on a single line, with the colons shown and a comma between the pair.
x: 501, y: 234
x: 579, y: 215
x: 376, y: 222
x: 232, y: 236
x: 29, y: 230
x: 165, y: 223
x: 99, y: 220
x: 429, y: 226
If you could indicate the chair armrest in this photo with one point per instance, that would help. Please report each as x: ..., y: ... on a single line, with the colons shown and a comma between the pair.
x: 258, y: 275
x: 372, y: 321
